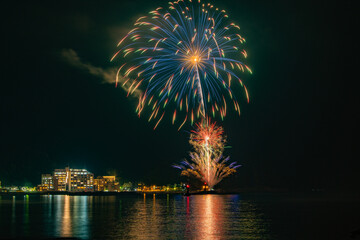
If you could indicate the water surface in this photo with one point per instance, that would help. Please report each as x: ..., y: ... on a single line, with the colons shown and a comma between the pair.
x: 246, y: 216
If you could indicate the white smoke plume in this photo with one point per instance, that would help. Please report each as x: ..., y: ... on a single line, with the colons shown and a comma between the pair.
x: 107, y: 76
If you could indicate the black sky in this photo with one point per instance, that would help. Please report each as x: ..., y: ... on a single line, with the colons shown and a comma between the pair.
x: 298, y: 131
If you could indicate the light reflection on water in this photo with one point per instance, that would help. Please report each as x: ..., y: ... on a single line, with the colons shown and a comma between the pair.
x: 209, y: 211
x: 147, y: 216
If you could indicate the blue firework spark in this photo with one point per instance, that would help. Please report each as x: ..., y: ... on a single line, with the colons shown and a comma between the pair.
x: 184, y: 58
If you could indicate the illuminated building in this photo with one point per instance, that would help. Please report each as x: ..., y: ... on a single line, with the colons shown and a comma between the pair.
x: 106, y: 183
x: 109, y: 178
x: 60, y: 179
x: 47, y: 182
x: 73, y: 180
x: 99, y: 183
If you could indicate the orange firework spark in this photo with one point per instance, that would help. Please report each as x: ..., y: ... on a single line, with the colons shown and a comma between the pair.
x: 208, y: 133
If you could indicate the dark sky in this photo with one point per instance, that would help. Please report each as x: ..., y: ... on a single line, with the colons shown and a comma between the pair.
x: 298, y: 131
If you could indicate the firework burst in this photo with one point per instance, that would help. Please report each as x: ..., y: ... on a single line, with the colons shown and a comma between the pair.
x: 184, y: 58
x: 206, y: 161
x: 208, y: 134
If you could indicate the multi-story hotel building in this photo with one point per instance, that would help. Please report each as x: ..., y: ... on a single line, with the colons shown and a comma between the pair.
x: 60, y: 181
x: 106, y: 183
x: 73, y: 180
x: 47, y: 182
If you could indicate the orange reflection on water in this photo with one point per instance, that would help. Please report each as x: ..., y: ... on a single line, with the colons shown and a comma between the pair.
x: 208, y: 214
x: 147, y: 220
x: 66, y: 229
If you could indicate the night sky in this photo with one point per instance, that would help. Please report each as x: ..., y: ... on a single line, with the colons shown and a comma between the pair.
x: 297, y: 133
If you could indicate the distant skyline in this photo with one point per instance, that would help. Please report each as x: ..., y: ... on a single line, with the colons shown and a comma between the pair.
x: 59, y: 108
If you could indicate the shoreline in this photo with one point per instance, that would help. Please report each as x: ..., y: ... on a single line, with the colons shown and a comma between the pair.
x: 290, y: 195
x: 113, y: 193
x: 84, y: 193
x: 130, y: 193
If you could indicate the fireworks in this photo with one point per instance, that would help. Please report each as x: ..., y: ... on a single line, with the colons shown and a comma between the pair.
x: 208, y: 134
x: 206, y: 161
x: 184, y: 58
